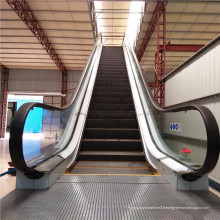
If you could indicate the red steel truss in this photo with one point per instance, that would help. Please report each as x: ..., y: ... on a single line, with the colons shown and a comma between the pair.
x: 64, y: 88
x: 182, y: 47
x: 26, y: 14
x: 4, y: 98
x: 160, y: 55
x: 150, y: 30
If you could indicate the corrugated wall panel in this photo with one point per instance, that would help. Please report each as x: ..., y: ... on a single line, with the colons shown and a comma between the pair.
x: 198, y: 78
x: 198, y: 82
x: 34, y: 80
x: 73, y: 79
x: 53, y: 100
x: 40, y: 81
x: 0, y: 98
x: 213, y: 103
x: 148, y: 77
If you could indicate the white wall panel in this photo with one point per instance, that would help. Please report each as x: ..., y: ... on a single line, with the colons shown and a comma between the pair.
x: 42, y: 81
x: 212, y: 103
x: 148, y: 77
x: 34, y: 80
x: 196, y: 79
x: 0, y: 94
x: 198, y: 82
x: 53, y: 100
x: 73, y: 79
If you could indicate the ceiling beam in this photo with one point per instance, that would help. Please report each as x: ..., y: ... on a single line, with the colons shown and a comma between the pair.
x: 46, y: 29
x: 183, y: 47
x: 33, y: 43
x: 46, y: 41
x: 51, y: 21
x: 150, y: 31
x: 22, y: 9
x: 98, y: 11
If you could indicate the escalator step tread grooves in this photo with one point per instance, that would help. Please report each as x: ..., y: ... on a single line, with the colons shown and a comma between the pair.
x: 111, y: 143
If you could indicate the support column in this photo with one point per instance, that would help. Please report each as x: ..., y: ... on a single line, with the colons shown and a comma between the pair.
x: 64, y: 88
x: 160, y: 55
x: 4, y: 99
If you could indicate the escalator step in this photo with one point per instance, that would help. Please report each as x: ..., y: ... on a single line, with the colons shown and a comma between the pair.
x: 112, y: 114
x: 118, y: 100
x: 100, y: 170
x: 111, y: 107
x: 111, y: 144
x: 111, y: 123
x: 112, y: 94
x: 109, y: 89
x: 111, y: 164
x: 111, y: 133
x: 113, y: 80
x: 111, y: 156
x: 111, y: 84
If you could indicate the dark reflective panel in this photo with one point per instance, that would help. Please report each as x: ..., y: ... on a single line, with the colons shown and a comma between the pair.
x: 181, y: 135
x: 42, y: 131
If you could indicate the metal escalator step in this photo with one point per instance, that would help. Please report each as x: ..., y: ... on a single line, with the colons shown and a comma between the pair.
x: 111, y: 123
x: 111, y: 100
x: 112, y: 89
x: 112, y: 94
x: 92, y: 144
x: 113, y: 80
x: 111, y: 133
x: 111, y: 84
x: 112, y: 171
x: 112, y: 64
x: 115, y: 74
x: 111, y: 164
x: 112, y: 115
x: 118, y: 75
x: 111, y: 156
x: 111, y: 107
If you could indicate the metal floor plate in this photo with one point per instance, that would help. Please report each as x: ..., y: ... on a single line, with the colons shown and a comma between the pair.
x: 99, y: 170
x: 94, y: 198
x: 103, y: 167
x: 109, y: 164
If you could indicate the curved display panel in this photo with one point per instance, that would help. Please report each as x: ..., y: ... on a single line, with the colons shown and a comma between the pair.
x: 54, y: 127
x: 188, y: 135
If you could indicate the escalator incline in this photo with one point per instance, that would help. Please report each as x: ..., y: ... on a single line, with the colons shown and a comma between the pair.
x: 111, y: 143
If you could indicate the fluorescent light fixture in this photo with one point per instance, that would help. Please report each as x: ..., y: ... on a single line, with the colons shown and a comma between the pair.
x: 134, y: 21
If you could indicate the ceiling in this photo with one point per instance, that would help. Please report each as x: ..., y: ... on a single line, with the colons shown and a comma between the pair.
x: 186, y: 23
x: 71, y: 27
x: 67, y: 25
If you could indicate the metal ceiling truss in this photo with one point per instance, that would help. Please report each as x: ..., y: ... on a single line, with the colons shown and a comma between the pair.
x: 4, y: 99
x: 150, y: 31
x: 182, y: 47
x: 51, y: 21
x: 92, y: 18
x: 43, y: 41
x: 26, y: 15
x: 45, y: 29
x: 160, y: 55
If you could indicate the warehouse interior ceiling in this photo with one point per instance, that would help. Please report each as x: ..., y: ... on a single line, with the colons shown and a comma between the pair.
x: 72, y: 27
x: 192, y: 22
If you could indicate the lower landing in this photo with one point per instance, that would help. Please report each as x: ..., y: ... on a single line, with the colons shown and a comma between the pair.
x: 110, y: 197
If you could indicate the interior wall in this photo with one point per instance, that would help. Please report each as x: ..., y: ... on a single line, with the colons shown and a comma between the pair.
x: 195, y: 79
x: 42, y: 81
x: 197, y: 82
x: 0, y: 97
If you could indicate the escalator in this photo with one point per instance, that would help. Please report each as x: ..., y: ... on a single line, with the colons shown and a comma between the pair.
x: 111, y: 142
x: 114, y: 126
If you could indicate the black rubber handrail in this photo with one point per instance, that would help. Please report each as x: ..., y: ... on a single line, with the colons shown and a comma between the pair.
x: 17, y: 127
x: 212, y: 131
x: 16, y: 134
